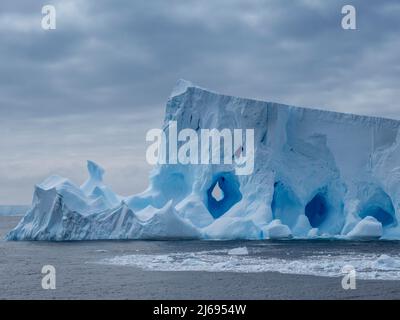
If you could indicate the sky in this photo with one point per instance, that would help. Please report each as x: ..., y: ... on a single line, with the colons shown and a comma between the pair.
x: 93, y: 87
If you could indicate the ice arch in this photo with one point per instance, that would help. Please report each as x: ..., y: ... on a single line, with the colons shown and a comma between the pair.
x: 380, y: 207
x: 383, y: 216
x: 285, y: 205
x: 229, y: 188
x: 317, y: 210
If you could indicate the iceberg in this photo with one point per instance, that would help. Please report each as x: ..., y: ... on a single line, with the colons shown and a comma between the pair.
x: 317, y: 174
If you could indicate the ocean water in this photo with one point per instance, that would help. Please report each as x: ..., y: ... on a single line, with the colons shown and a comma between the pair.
x: 197, y: 269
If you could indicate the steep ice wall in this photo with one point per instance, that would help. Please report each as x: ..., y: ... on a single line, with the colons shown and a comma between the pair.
x: 316, y: 174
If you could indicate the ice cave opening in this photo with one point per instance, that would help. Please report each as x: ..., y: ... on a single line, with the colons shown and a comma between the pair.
x: 383, y: 216
x: 380, y: 206
x: 223, y: 194
x: 317, y: 210
x: 285, y: 205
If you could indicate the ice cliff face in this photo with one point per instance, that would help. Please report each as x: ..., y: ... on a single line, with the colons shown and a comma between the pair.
x: 316, y: 174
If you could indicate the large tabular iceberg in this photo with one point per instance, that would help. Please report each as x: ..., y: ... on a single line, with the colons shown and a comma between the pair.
x: 317, y: 174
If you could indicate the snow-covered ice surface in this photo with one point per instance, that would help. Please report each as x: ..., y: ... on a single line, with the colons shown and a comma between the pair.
x: 317, y: 174
x: 367, y: 266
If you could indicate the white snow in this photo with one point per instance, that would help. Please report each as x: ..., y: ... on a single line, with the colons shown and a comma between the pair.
x: 366, y: 229
x: 317, y: 174
x: 277, y: 230
x: 180, y: 87
x: 194, y: 210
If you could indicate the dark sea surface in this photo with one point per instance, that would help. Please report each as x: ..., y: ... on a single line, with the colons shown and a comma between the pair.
x: 81, y: 273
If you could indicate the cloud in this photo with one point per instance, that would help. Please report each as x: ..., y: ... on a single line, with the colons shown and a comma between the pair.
x: 91, y: 88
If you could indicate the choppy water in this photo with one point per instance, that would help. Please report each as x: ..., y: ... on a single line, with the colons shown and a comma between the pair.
x: 366, y: 266
x: 198, y: 269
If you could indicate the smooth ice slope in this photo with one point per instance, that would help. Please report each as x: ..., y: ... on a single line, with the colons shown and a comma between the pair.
x: 317, y: 174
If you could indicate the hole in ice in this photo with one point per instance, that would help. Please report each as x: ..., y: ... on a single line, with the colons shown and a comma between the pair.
x: 379, y: 214
x: 223, y: 194
x: 380, y: 206
x: 316, y: 210
x: 217, y: 192
x: 285, y: 204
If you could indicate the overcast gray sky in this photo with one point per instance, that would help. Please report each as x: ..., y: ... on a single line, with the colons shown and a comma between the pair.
x: 92, y: 88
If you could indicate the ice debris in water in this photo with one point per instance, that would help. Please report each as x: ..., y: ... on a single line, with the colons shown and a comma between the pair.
x: 238, y: 251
